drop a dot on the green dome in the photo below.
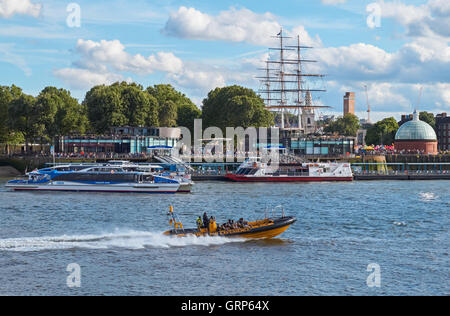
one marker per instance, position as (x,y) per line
(416,130)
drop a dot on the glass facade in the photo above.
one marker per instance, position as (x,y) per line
(112,144)
(322,147)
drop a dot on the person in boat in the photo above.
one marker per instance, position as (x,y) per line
(199,222)
(205,220)
(242,223)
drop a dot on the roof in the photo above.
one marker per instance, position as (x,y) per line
(416,130)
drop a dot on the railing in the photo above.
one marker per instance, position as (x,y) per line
(401,169)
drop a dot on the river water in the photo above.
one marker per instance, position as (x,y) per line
(342,228)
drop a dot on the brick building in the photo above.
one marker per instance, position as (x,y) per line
(416,136)
(443,131)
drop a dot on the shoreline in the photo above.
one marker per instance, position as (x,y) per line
(8,172)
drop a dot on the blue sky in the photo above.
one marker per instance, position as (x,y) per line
(198,45)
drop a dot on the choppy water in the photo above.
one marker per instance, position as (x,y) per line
(118,243)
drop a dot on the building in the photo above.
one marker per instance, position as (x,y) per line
(361,137)
(416,136)
(120,140)
(405,118)
(349,103)
(308,116)
(321,146)
(443,131)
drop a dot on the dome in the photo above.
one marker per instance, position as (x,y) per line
(416,130)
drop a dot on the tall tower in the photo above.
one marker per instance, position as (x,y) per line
(349,103)
(308,115)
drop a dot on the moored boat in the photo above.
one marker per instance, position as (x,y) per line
(254,170)
(93,178)
(261,229)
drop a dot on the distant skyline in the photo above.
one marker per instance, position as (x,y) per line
(396,48)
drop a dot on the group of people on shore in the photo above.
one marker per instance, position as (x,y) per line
(229,225)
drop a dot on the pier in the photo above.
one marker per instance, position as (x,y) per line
(216,171)
(361,171)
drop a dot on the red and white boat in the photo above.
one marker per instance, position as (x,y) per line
(254,170)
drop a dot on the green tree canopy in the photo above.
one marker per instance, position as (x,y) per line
(428,118)
(383,132)
(25,118)
(141,108)
(345,126)
(235,106)
(120,104)
(174,108)
(60,112)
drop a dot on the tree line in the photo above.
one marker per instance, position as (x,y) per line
(27,119)
(381,133)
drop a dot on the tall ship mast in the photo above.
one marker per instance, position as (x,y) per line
(285,87)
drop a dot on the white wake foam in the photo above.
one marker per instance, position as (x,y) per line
(428,196)
(125,240)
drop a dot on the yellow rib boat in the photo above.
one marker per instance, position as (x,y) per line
(262,229)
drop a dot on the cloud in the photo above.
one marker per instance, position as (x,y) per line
(8,55)
(85,78)
(98,55)
(333,2)
(105,62)
(9,8)
(426,20)
(232,25)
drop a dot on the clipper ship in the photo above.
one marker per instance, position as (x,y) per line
(285,89)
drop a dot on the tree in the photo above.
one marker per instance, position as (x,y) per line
(141,108)
(174,108)
(104,108)
(345,126)
(25,118)
(168,114)
(5,99)
(120,104)
(428,118)
(60,112)
(383,132)
(235,106)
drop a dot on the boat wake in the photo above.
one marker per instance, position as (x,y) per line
(427,196)
(123,240)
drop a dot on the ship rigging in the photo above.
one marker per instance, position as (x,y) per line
(284,86)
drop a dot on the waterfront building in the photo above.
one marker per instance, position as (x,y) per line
(416,136)
(361,137)
(321,146)
(120,140)
(443,131)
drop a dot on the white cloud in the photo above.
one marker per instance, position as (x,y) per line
(9,8)
(98,55)
(427,20)
(104,62)
(85,78)
(232,25)
(199,80)
(333,2)
(8,55)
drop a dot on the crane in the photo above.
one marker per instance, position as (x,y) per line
(368,104)
(420,97)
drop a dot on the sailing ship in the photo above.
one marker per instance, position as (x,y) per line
(285,89)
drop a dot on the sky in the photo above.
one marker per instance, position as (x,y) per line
(399,49)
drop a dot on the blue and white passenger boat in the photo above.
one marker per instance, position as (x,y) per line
(112,177)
